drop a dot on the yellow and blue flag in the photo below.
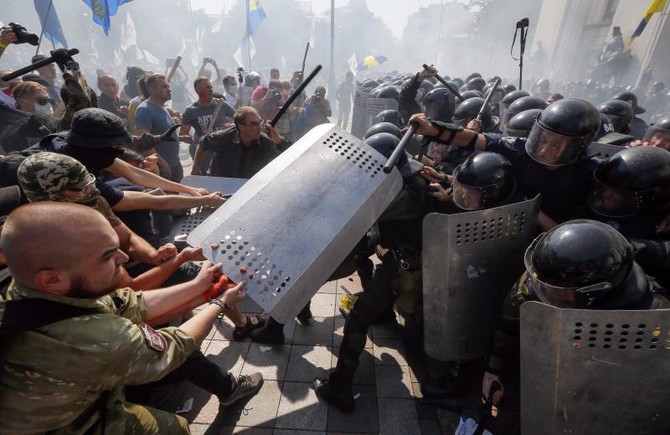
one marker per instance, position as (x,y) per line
(50,22)
(370,62)
(654,7)
(255,16)
(103,10)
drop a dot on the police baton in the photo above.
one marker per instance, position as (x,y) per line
(284,107)
(60,56)
(488,98)
(447,84)
(400,148)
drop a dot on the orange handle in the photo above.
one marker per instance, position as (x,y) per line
(215,290)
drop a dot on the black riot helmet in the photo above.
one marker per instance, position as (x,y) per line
(606,127)
(439,104)
(472,76)
(620,113)
(383,127)
(384,143)
(522,123)
(631,99)
(512,96)
(509,87)
(469,109)
(425,87)
(392,116)
(521,104)
(658,133)
(562,131)
(579,264)
(475,84)
(471,94)
(483,180)
(390,92)
(631,181)
(370,84)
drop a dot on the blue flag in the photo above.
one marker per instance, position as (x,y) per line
(103,10)
(255,16)
(50,22)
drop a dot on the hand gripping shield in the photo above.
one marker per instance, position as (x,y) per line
(594,371)
(291,225)
(469,261)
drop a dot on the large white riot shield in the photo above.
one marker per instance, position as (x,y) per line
(183,225)
(594,372)
(359,116)
(469,261)
(291,225)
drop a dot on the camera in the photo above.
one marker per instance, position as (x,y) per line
(522,23)
(23,36)
(276,94)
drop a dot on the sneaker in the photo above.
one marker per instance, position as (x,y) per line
(342,398)
(305,315)
(247,386)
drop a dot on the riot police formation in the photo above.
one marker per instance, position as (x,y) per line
(523,198)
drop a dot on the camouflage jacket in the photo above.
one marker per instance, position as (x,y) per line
(67,377)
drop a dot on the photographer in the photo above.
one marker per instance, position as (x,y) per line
(317,110)
(267,100)
(205,72)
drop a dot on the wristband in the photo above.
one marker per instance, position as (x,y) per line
(222,305)
(3,45)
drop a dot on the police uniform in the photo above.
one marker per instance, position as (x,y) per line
(67,377)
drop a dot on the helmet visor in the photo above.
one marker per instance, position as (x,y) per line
(562,296)
(610,202)
(467,197)
(553,149)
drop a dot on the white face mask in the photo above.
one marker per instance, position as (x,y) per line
(44,111)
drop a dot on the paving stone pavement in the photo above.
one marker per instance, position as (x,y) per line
(387,388)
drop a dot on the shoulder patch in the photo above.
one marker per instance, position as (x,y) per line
(153,339)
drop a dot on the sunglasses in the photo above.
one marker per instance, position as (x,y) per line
(90,181)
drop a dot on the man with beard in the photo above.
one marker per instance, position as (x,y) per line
(61,377)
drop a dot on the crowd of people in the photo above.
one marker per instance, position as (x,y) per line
(90,181)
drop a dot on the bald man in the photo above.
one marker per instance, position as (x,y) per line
(67,377)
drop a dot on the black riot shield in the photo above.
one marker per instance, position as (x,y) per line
(594,372)
(469,261)
(291,225)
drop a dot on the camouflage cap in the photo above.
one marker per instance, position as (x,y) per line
(44,176)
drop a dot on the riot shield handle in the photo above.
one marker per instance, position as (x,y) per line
(452,89)
(488,98)
(284,107)
(400,148)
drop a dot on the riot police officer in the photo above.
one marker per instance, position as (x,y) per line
(547,162)
(579,264)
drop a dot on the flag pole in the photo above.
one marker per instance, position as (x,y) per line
(46,18)
(247,3)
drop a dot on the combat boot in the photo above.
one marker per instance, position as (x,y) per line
(336,390)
